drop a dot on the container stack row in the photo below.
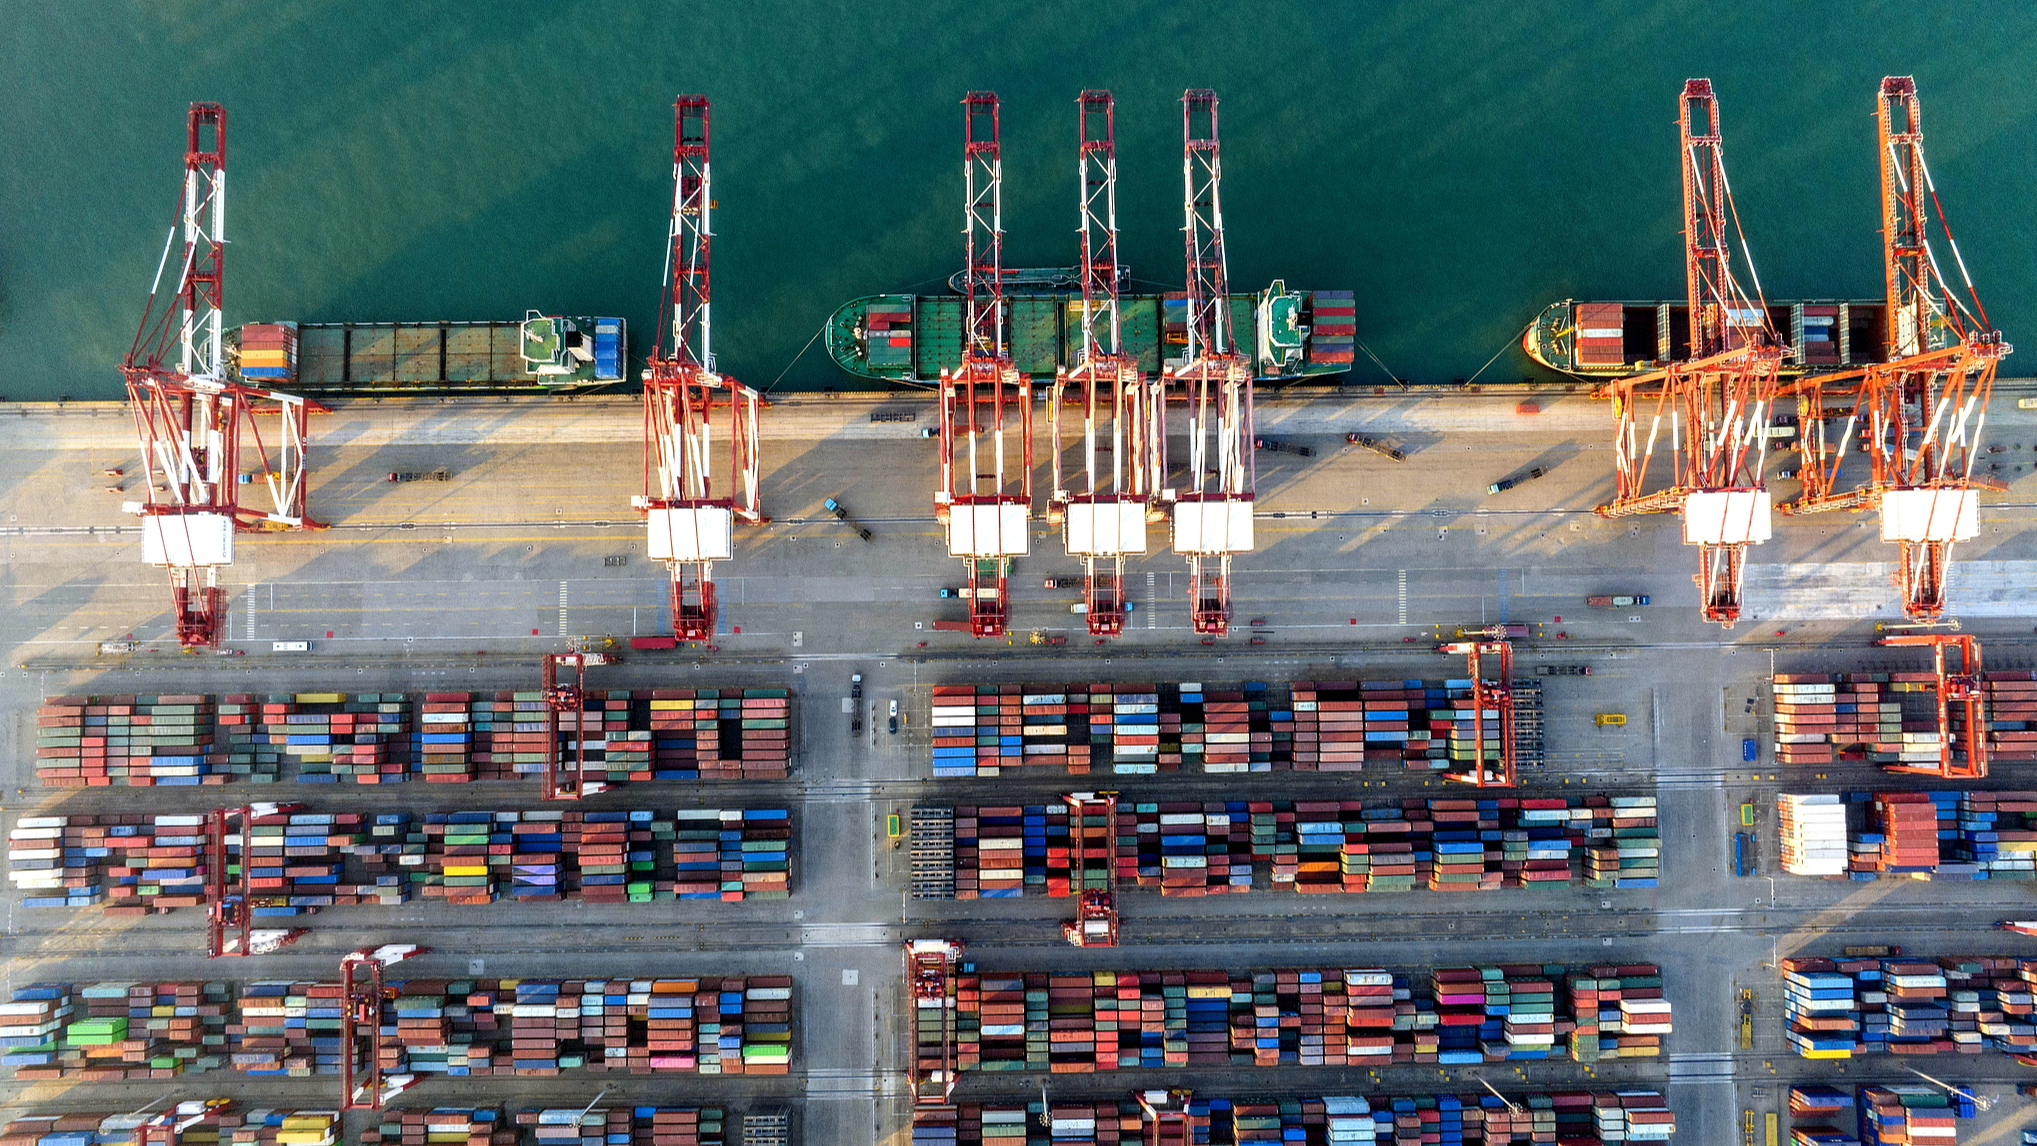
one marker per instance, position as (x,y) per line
(1341,726)
(622,1126)
(1115,1020)
(1333,327)
(276,1028)
(1888,1115)
(205,1123)
(1891,719)
(114,1031)
(1839,1008)
(1478,1119)
(133,863)
(1203,848)
(1935,835)
(1124,729)
(298,862)
(436,737)
(140,741)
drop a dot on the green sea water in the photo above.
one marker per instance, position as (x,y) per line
(1457,165)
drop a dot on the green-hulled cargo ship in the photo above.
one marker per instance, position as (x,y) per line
(540,353)
(1287,334)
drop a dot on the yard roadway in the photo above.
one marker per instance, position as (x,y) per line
(1363,562)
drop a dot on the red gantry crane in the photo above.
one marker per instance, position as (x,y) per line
(1494,696)
(229,885)
(930,966)
(691,522)
(1123,414)
(1918,416)
(1172,1118)
(986,512)
(563,779)
(1962,715)
(364,1085)
(1717,402)
(1093,826)
(189,418)
(1213,515)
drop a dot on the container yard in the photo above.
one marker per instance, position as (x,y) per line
(508,769)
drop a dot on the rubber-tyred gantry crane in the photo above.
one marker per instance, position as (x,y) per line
(1093,828)
(1495,696)
(1213,514)
(566,779)
(984,401)
(190,419)
(230,892)
(1717,402)
(691,521)
(364,1085)
(1962,715)
(1123,414)
(1918,416)
(1172,1118)
(930,966)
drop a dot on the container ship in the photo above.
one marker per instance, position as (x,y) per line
(541,352)
(912,338)
(1611,339)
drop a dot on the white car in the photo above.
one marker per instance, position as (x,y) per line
(894,708)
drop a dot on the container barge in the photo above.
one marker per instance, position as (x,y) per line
(1187,848)
(1949,835)
(1955,1004)
(1480,1118)
(1164,727)
(1286,335)
(453,1027)
(541,353)
(1098,1021)
(385,738)
(300,862)
(1612,339)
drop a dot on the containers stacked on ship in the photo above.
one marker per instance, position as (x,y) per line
(538,353)
(1813,831)
(268,354)
(1600,336)
(140,741)
(1333,329)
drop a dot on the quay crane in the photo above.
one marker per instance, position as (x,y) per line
(691,524)
(363,1084)
(1488,696)
(1123,414)
(1962,716)
(1093,824)
(930,966)
(1213,515)
(1917,416)
(1718,400)
(985,513)
(189,418)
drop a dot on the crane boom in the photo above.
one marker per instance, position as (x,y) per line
(1123,414)
(1918,417)
(691,523)
(1715,406)
(1213,516)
